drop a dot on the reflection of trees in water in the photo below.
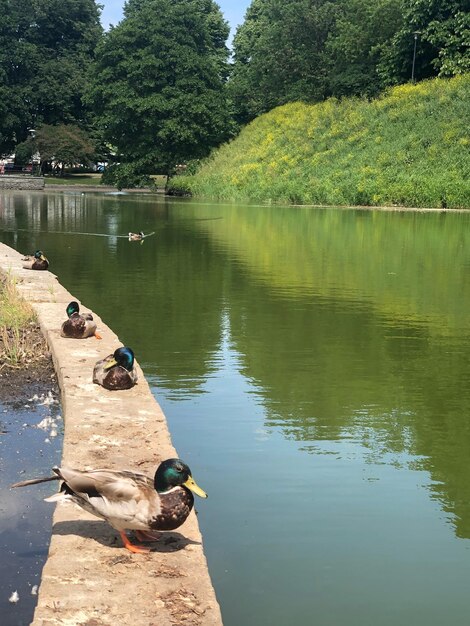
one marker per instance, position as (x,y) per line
(352,324)
(345,374)
(354,327)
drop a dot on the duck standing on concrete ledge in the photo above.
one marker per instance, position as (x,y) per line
(129,500)
(79,325)
(38,262)
(116,371)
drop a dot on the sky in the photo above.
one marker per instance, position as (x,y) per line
(233,10)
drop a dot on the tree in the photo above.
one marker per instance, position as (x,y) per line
(279,55)
(452,37)
(442,32)
(46,47)
(363,28)
(17,63)
(63,144)
(159,83)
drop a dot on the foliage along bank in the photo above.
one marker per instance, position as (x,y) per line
(409,147)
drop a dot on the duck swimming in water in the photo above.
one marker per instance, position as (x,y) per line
(130,500)
(38,262)
(79,325)
(136,236)
(116,371)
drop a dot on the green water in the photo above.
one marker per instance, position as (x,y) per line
(313,366)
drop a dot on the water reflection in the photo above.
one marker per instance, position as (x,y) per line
(332,341)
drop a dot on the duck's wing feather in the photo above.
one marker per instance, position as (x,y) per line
(115,378)
(125,499)
(110,484)
(99,373)
(120,378)
(78,327)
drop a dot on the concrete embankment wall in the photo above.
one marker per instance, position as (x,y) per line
(26,182)
(89,578)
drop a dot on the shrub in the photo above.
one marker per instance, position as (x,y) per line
(125,176)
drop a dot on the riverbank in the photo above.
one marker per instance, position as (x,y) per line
(408,148)
(25,363)
(101,189)
(89,578)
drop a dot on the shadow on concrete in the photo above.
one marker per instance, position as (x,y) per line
(107,536)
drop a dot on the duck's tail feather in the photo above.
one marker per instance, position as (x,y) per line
(60,496)
(35,481)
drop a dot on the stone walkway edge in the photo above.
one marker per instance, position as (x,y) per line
(89,579)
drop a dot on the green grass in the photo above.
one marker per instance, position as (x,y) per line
(408,148)
(74,179)
(92,179)
(18,344)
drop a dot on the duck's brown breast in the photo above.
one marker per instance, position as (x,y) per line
(176,506)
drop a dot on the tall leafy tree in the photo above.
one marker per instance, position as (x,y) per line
(279,55)
(441,29)
(46,47)
(17,68)
(159,83)
(66,33)
(363,28)
(65,144)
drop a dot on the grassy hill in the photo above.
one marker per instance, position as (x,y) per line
(411,147)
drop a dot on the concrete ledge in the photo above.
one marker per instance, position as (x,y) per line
(27,182)
(89,579)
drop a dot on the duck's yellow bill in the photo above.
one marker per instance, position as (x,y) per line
(110,364)
(43,258)
(191,484)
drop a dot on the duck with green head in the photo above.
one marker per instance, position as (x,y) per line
(117,371)
(38,262)
(78,325)
(130,500)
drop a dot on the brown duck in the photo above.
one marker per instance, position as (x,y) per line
(38,262)
(78,325)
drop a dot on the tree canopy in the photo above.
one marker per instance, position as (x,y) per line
(46,47)
(442,31)
(64,144)
(279,54)
(158,89)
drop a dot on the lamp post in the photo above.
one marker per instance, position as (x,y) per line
(416,33)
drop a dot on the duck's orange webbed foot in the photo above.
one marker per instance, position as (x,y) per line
(131,547)
(98,336)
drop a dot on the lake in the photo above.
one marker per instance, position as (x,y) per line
(313,365)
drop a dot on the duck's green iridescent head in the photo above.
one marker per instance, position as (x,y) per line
(175,473)
(39,255)
(72,308)
(123,357)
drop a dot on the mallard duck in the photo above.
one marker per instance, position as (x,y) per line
(130,500)
(116,371)
(79,325)
(38,262)
(136,236)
